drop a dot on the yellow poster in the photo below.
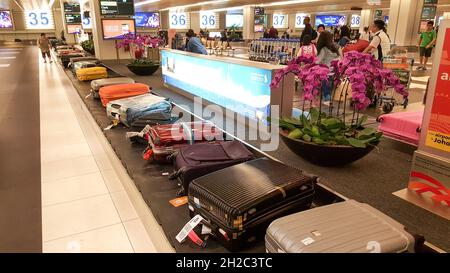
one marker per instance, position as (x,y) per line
(438,140)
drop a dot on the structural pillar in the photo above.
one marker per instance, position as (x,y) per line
(404,20)
(366,19)
(104,49)
(248,31)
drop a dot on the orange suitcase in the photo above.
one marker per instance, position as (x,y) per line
(121,91)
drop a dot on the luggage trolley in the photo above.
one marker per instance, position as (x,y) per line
(402,66)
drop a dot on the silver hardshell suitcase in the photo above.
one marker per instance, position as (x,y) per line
(345,227)
(97,84)
(83,64)
(79,59)
(130,109)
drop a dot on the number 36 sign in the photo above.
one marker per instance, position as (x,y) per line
(39,19)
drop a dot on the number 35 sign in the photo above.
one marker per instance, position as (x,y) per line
(39,19)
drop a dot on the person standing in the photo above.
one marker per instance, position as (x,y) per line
(266,33)
(308,30)
(194,44)
(273,33)
(320,29)
(426,44)
(44,46)
(345,36)
(365,35)
(308,49)
(381,44)
(327,52)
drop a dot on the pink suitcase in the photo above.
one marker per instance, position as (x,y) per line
(402,126)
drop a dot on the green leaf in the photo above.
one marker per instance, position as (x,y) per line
(361,121)
(314,115)
(307,138)
(332,123)
(335,131)
(292,121)
(367,132)
(305,122)
(315,131)
(318,141)
(356,142)
(296,134)
(285,125)
(365,141)
(307,131)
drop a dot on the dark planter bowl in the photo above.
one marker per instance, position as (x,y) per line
(325,155)
(143,70)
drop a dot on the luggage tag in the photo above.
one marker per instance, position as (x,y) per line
(188,228)
(179,201)
(115,122)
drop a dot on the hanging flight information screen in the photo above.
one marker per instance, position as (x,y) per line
(117,7)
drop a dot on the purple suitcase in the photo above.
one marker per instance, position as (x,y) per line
(196,160)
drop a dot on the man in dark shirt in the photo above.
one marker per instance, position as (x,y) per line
(308,30)
(273,33)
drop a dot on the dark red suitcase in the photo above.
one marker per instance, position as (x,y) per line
(164,140)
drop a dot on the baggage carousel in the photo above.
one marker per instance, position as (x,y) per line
(370,180)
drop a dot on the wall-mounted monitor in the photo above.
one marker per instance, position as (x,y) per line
(147,19)
(259,11)
(73,18)
(259,28)
(5,19)
(117,7)
(331,20)
(115,29)
(71,7)
(428,12)
(260,20)
(74,29)
(236,20)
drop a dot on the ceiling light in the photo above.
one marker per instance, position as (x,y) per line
(227,9)
(196,4)
(283,3)
(145,2)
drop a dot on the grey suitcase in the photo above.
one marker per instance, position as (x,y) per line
(345,227)
(79,59)
(83,64)
(97,84)
(131,109)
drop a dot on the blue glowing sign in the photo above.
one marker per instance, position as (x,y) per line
(242,89)
(331,20)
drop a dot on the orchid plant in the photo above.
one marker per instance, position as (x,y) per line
(361,73)
(138,43)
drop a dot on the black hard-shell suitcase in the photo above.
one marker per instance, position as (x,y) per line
(65,59)
(239,202)
(196,160)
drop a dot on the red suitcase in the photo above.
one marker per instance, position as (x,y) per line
(402,126)
(121,91)
(164,140)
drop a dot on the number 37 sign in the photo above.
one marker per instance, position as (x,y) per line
(39,19)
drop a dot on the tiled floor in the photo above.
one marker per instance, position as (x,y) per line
(85,207)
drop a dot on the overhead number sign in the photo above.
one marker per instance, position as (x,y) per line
(280,20)
(209,20)
(356,20)
(39,19)
(179,20)
(299,17)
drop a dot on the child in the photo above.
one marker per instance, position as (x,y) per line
(308,49)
